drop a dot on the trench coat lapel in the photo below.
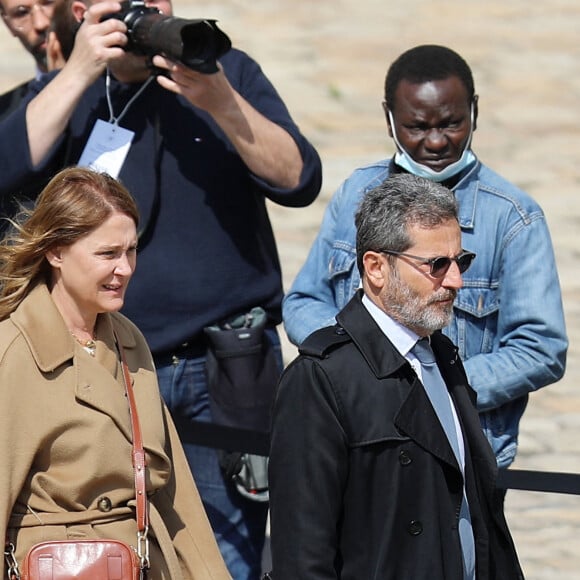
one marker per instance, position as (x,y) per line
(97,388)
(418,420)
(428,430)
(100,382)
(465,399)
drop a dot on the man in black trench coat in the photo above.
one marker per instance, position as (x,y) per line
(377,471)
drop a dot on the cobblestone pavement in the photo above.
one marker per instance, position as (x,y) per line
(328,60)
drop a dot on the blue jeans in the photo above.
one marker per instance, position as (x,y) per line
(239,524)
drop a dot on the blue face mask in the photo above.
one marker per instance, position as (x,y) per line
(404,160)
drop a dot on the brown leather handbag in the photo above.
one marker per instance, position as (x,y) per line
(95,559)
(82,560)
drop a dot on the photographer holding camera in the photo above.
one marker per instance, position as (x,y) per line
(201,153)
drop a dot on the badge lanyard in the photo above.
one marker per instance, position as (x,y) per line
(116,120)
(109,143)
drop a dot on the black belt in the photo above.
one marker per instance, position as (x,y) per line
(192,348)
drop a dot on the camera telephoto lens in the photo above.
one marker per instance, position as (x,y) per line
(195,43)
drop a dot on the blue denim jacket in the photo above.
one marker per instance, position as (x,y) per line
(508,319)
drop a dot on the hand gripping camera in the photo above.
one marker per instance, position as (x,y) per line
(195,43)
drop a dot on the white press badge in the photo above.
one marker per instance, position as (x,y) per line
(107,148)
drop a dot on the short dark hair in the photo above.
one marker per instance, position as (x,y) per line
(386,212)
(424,63)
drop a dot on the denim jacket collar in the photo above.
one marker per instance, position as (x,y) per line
(467,188)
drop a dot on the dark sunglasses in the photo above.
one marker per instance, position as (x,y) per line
(440,264)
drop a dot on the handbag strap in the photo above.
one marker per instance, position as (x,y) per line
(139,464)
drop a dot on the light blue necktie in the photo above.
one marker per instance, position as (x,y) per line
(437,393)
(439,397)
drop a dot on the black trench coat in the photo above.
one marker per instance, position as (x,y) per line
(364,484)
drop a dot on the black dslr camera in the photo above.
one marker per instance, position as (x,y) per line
(195,43)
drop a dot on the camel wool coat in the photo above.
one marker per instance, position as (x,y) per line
(65,439)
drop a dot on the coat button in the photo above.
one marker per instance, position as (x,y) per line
(339,330)
(415,527)
(105,504)
(404,458)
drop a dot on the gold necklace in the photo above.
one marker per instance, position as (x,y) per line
(89,346)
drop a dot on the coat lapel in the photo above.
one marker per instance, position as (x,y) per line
(100,381)
(418,420)
(465,399)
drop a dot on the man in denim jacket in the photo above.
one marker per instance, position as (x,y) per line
(508,320)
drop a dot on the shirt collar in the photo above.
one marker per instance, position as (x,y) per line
(402,338)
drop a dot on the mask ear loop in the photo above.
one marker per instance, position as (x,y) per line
(471,121)
(394,131)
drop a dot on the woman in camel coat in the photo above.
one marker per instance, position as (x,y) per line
(65,430)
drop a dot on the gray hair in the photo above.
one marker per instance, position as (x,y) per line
(386,212)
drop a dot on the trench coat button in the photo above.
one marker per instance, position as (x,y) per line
(105,504)
(339,330)
(404,458)
(415,527)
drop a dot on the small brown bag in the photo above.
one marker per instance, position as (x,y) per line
(95,559)
(81,560)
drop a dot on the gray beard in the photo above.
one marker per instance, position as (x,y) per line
(422,316)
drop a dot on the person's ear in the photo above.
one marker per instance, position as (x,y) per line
(375,268)
(54,57)
(78,10)
(54,257)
